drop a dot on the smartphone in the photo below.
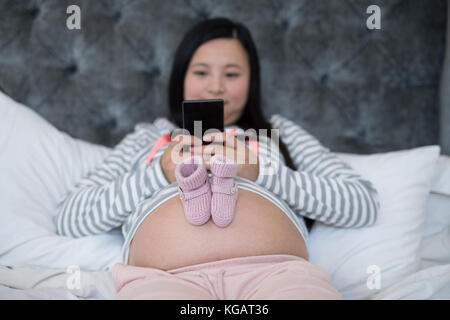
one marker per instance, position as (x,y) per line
(200,116)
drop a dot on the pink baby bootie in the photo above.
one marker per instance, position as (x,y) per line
(194,190)
(224,189)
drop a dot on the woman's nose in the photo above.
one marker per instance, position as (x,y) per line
(216,86)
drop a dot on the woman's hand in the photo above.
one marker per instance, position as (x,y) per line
(230,146)
(176,152)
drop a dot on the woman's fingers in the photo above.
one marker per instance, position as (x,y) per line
(239,155)
(221,143)
(182,147)
(228,140)
(188,139)
(211,151)
(183,143)
(176,153)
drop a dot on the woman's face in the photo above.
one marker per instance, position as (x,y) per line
(219,69)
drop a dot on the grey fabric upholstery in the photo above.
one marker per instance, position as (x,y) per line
(356,90)
(445,96)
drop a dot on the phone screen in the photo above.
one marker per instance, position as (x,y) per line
(209,112)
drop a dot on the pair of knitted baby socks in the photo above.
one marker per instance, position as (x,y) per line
(202,199)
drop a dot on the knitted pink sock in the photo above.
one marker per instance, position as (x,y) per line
(194,189)
(224,190)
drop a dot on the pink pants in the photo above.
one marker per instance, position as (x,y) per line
(258,277)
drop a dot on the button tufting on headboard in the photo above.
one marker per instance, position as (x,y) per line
(34,12)
(324,79)
(71,69)
(154,72)
(117,16)
(284,25)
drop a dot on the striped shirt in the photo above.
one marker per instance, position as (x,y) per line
(322,187)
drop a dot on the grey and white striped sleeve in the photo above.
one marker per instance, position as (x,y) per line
(323,187)
(103,199)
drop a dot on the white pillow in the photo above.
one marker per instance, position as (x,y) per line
(441,180)
(38,164)
(435,246)
(438,204)
(355,257)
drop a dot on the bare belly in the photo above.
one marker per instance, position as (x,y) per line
(166,240)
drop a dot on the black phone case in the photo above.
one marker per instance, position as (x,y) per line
(209,112)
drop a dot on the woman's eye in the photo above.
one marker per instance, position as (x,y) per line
(232,75)
(200,73)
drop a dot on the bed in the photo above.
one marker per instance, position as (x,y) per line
(405,255)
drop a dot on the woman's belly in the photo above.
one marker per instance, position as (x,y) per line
(166,240)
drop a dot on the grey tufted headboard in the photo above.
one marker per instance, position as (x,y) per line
(356,90)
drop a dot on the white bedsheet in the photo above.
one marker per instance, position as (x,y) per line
(7,293)
(26,283)
(432,283)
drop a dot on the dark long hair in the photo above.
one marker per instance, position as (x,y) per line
(207,30)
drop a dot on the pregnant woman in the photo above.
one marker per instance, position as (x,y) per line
(291,178)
